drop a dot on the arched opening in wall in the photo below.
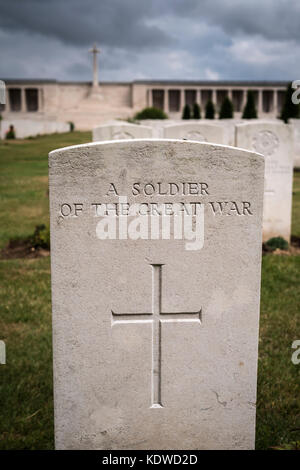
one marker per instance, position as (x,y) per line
(267,101)
(221,95)
(14,99)
(190,97)
(237,100)
(280,98)
(206,95)
(158,99)
(174,100)
(32,103)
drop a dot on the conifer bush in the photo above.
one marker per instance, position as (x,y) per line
(186,114)
(250,109)
(289,109)
(226,111)
(210,110)
(196,111)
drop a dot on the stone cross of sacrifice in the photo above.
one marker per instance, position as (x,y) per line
(95,51)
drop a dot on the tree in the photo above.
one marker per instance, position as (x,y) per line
(209,110)
(226,111)
(250,110)
(186,114)
(196,111)
(289,109)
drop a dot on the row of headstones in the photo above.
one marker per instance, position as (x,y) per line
(273,139)
(155,342)
(194,130)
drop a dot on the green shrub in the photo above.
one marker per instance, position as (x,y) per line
(196,111)
(289,109)
(210,110)
(226,111)
(10,134)
(277,242)
(41,237)
(250,109)
(72,126)
(186,113)
(151,113)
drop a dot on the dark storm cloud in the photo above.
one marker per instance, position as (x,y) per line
(126,22)
(273,19)
(110,22)
(190,39)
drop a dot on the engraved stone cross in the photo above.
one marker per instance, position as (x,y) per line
(156,317)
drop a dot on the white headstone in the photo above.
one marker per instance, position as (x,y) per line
(120,131)
(275,141)
(155,331)
(296,127)
(229,129)
(158,125)
(202,132)
(32,127)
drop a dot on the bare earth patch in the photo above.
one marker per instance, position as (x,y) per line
(294,248)
(22,249)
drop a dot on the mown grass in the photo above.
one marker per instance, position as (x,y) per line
(24,182)
(26,391)
(26,412)
(278,403)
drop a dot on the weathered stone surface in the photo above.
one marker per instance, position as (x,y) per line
(120,131)
(32,127)
(202,132)
(275,141)
(296,126)
(229,129)
(155,343)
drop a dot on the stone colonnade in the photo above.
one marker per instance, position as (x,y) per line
(24,99)
(173,99)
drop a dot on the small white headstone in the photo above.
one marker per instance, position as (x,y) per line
(32,127)
(275,141)
(121,131)
(229,129)
(155,314)
(296,126)
(2,352)
(201,132)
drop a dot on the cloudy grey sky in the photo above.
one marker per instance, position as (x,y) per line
(148,39)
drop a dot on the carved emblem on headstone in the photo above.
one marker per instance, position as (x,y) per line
(122,135)
(265,142)
(195,135)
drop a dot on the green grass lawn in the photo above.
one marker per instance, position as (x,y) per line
(24,181)
(26,395)
(26,413)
